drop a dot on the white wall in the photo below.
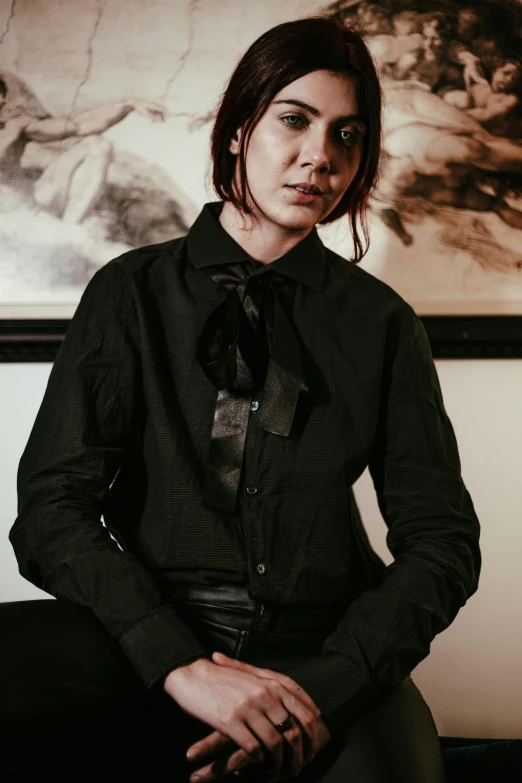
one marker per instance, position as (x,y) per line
(21,391)
(472,678)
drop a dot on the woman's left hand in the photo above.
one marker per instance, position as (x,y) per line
(314,736)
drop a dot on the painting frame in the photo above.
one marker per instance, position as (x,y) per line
(451,337)
(140,165)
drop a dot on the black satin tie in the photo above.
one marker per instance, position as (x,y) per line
(234,355)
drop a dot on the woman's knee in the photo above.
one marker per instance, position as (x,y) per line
(56,660)
(397,740)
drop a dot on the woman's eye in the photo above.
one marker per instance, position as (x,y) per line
(350,137)
(293,120)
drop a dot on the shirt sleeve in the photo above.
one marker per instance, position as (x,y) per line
(433,534)
(86,422)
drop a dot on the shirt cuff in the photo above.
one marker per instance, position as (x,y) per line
(158,643)
(336,686)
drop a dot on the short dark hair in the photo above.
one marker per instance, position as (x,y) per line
(280,56)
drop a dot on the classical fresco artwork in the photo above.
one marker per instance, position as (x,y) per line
(72,197)
(451,183)
(52,187)
(106,113)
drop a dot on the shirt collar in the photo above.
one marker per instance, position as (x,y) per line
(209,245)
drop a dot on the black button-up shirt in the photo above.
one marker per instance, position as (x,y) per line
(123,431)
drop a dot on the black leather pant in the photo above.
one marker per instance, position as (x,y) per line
(72,707)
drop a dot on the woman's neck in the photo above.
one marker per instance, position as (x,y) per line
(262,239)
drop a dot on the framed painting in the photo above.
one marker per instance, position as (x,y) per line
(104,148)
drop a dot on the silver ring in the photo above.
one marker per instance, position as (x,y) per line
(287,724)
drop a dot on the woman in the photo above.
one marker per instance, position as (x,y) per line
(216,397)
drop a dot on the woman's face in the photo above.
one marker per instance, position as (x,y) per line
(311,134)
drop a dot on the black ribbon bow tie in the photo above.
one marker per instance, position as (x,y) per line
(234,354)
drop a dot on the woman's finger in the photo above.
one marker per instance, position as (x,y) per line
(214,742)
(219,657)
(303,708)
(221,767)
(307,722)
(238,761)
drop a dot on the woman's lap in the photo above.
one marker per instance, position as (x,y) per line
(395,741)
(71,701)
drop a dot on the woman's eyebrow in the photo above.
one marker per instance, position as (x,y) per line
(348,118)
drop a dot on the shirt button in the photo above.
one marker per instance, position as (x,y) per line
(260,568)
(254,406)
(251,489)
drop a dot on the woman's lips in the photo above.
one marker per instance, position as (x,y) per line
(304,198)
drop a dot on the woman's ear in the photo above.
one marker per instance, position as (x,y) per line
(235,141)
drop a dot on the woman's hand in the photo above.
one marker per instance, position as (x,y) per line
(303,740)
(243,705)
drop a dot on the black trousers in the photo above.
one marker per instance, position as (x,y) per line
(71,706)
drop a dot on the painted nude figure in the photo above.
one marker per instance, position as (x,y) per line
(73,183)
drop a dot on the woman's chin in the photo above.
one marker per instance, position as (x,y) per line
(297,217)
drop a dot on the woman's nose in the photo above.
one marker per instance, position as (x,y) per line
(317,155)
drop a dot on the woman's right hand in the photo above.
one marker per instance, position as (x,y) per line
(242,706)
